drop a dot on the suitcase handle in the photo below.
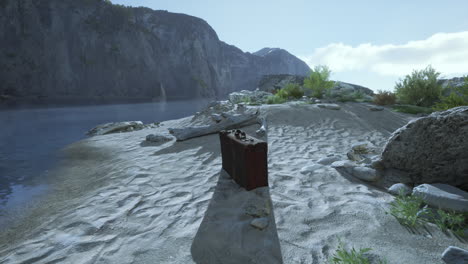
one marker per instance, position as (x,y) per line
(240,134)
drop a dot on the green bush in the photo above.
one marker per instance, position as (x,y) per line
(384,98)
(356,96)
(294,90)
(457,97)
(275,99)
(318,81)
(420,88)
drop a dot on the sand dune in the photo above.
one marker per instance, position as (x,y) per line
(118,199)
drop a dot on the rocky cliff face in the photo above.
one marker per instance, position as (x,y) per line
(93,49)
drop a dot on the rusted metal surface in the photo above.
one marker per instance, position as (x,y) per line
(244,158)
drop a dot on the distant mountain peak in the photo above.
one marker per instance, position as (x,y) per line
(265,51)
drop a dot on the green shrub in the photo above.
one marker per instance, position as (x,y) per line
(356,96)
(294,90)
(384,98)
(420,88)
(412,109)
(457,97)
(275,99)
(318,81)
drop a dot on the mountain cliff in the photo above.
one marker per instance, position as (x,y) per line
(94,49)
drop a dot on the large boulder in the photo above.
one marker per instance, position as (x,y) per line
(432,149)
(272,82)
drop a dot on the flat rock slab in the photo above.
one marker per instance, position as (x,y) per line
(328,160)
(455,255)
(329,106)
(376,108)
(157,138)
(117,127)
(443,196)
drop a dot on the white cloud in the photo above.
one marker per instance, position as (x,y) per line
(446,52)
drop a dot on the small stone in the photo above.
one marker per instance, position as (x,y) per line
(157,138)
(328,160)
(343,164)
(377,164)
(257,210)
(365,173)
(310,168)
(260,223)
(443,196)
(216,117)
(455,255)
(395,189)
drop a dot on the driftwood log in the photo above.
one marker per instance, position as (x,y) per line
(229,122)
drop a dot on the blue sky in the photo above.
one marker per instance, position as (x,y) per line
(371,43)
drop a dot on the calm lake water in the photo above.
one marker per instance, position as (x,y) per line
(30,139)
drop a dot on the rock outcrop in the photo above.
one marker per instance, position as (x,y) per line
(432,149)
(272,82)
(93,49)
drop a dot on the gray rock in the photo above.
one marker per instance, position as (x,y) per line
(432,149)
(376,108)
(263,129)
(343,88)
(117,127)
(329,106)
(131,52)
(443,196)
(249,96)
(377,164)
(216,117)
(395,189)
(271,82)
(364,173)
(157,138)
(346,164)
(455,255)
(362,152)
(328,160)
(260,223)
(428,214)
(310,168)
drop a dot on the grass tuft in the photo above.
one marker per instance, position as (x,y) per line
(342,256)
(405,209)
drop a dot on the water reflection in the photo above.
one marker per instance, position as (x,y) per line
(30,139)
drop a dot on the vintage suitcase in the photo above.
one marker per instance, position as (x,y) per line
(244,158)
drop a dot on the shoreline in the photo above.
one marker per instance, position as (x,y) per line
(34,103)
(145,203)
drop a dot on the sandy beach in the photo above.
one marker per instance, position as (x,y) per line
(120,199)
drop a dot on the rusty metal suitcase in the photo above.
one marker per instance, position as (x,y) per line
(244,158)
